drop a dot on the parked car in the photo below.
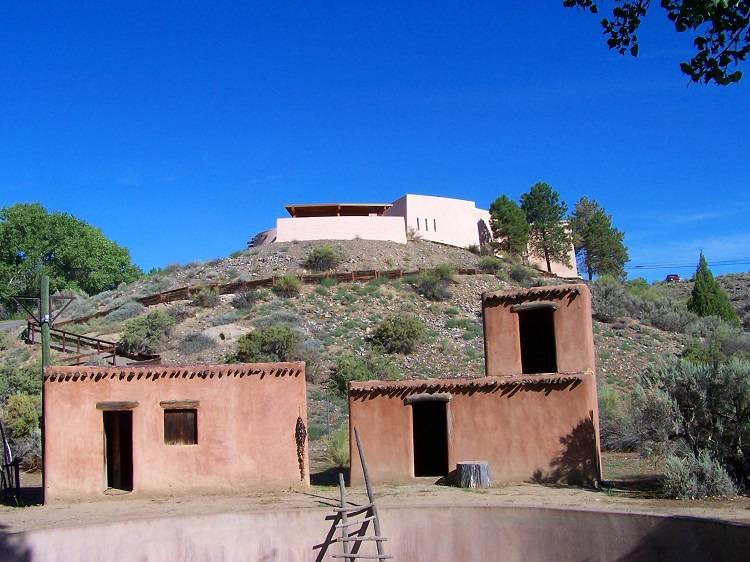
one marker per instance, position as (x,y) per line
(673,278)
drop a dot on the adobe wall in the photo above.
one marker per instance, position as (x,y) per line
(574,335)
(439,533)
(247,415)
(341,228)
(529,428)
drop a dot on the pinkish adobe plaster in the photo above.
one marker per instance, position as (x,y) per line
(438,533)
(533,427)
(247,416)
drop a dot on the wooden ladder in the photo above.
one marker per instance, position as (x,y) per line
(354,520)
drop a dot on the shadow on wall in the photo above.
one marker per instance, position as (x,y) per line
(578,464)
(485,236)
(708,540)
(12,547)
(508,389)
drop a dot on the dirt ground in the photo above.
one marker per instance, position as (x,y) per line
(630,488)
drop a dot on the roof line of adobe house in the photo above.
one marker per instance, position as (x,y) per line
(358,387)
(553,291)
(128,372)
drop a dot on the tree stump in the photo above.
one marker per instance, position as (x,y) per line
(473,474)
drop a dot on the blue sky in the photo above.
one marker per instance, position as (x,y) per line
(181,129)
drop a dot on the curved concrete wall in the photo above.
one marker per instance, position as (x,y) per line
(431,534)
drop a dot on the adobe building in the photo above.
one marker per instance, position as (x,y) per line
(533,417)
(446,220)
(161,430)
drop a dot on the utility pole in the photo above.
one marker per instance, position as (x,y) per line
(44,320)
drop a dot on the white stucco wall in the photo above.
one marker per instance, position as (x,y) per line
(341,228)
(440,219)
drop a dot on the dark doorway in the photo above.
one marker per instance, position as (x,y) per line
(118,446)
(430,424)
(537,330)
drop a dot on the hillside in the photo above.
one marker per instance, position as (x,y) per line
(336,319)
(737,286)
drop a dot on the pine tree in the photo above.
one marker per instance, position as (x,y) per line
(509,225)
(598,245)
(545,212)
(708,298)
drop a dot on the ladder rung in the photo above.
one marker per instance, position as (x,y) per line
(368,556)
(354,508)
(355,539)
(357,522)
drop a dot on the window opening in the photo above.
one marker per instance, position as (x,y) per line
(430,435)
(181,426)
(538,348)
(118,449)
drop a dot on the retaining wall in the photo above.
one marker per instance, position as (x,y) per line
(431,534)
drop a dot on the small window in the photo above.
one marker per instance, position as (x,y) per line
(434,225)
(181,427)
(417,224)
(427,228)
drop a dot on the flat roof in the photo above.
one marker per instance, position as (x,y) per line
(337,209)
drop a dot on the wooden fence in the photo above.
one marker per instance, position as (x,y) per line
(187,292)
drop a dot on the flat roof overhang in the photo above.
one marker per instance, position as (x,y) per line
(337,209)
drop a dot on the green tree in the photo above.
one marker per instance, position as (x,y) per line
(548,235)
(707,297)
(509,225)
(74,254)
(598,245)
(721,30)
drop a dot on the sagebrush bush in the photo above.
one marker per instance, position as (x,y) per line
(208,297)
(278,318)
(196,342)
(445,271)
(713,339)
(520,274)
(15,379)
(146,334)
(29,449)
(274,343)
(351,367)
(226,318)
(179,312)
(324,258)
(616,427)
(399,333)
(336,448)
(491,264)
(431,286)
(693,477)
(471,328)
(246,300)
(695,405)
(21,414)
(129,310)
(287,286)
(608,298)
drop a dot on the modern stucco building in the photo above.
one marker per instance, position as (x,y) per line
(455,222)
(161,430)
(534,417)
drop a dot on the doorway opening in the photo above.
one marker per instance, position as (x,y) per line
(430,434)
(118,449)
(538,348)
